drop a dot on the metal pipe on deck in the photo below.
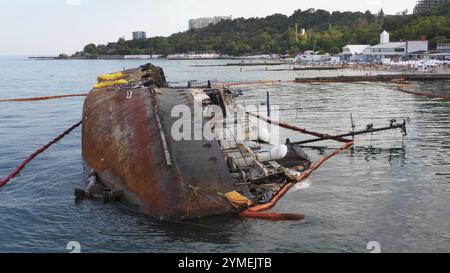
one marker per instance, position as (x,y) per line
(353,134)
(297,129)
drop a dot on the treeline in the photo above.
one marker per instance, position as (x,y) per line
(325,31)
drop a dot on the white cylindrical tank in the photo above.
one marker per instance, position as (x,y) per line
(276,152)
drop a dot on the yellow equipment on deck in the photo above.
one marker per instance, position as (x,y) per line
(110,83)
(110,77)
(237,200)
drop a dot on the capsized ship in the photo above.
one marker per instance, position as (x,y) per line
(129,142)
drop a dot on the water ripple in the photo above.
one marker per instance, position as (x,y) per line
(387,189)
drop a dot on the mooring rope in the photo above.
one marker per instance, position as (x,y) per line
(36,153)
(43,98)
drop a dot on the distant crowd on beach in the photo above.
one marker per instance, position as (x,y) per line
(423,66)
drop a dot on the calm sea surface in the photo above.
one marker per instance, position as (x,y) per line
(388,189)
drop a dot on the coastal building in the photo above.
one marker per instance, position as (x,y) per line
(204,22)
(425,5)
(395,50)
(139,35)
(442,51)
(443,45)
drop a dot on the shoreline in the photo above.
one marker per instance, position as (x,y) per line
(249,62)
(46,58)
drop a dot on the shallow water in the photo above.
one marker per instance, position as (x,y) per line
(388,189)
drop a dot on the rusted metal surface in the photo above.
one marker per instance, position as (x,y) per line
(128,140)
(123,143)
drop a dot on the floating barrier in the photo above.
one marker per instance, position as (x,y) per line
(43,98)
(266,82)
(36,153)
(273,216)
(403,87)
(256,211)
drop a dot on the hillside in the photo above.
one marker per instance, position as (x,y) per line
(325,31)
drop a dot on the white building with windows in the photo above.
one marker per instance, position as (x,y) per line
(395,50)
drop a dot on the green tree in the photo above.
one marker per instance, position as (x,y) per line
(91,49)
(277,33)
(266,43)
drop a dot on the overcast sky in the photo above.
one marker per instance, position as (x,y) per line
(49,27)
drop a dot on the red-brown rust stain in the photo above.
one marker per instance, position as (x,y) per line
(141,178)
(202,201)
(120,136)
(122,142)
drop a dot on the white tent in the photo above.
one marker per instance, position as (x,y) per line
(354,49)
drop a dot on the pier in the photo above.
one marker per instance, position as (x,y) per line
(240,64)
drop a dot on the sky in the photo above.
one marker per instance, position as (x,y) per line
(51,27)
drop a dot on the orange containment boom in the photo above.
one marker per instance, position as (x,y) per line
(36,153)
(273,216)
(43,98)
(257,211)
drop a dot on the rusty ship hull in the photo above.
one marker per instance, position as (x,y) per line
(126,139)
